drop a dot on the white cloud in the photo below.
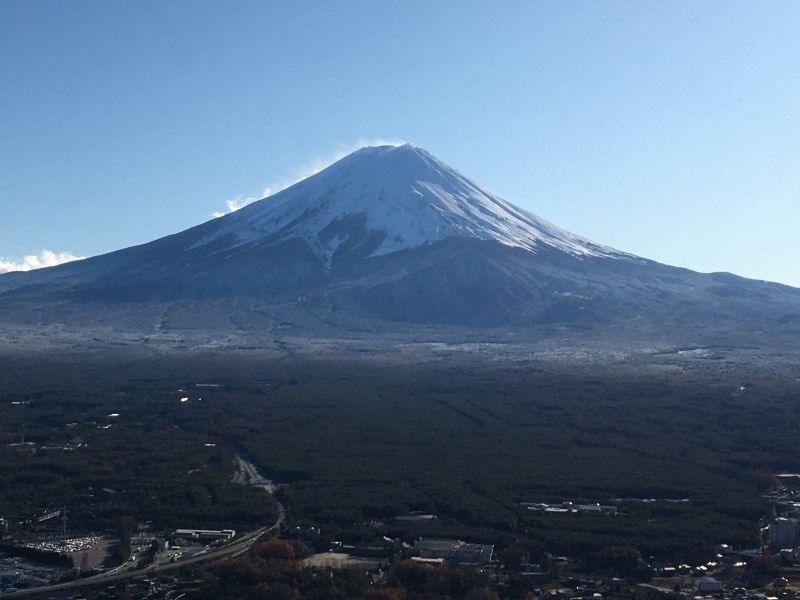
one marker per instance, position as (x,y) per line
(46,258)
(306,170)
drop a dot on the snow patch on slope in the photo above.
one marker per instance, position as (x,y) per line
(404,194)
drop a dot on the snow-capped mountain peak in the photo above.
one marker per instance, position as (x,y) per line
(397,197)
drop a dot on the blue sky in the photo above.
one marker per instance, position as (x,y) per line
(666,129)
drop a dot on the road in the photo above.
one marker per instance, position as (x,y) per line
(247,474)
(235,548)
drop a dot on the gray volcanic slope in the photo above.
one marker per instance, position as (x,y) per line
(394,236)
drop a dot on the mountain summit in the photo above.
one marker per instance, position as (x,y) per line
(392,198)
(386,237)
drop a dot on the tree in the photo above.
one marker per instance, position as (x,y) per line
(482,594)
(514,555)
(623,560)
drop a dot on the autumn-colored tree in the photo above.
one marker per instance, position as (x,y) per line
(274,591)
(762,565)
(623,560)
(482,594)
(385,594)
(281,549)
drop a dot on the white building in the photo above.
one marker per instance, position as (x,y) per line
(783,533)
(203,535)
(455,550)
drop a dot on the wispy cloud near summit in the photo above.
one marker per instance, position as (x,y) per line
(307,169)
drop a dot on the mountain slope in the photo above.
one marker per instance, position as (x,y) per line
(395,235)
(397,197)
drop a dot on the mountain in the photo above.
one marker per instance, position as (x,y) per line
(390,236)
(390,198)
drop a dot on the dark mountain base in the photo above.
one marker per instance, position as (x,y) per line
(456,288)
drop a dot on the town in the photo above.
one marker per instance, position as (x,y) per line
(38,557)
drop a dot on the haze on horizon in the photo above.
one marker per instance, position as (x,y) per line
(670,131)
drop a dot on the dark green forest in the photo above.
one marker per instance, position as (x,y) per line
(355,445)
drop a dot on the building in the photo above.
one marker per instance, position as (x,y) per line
(8,577)
(596,508)
(205,536)
(783,533)
(416,516)
(455,551)
(709,585)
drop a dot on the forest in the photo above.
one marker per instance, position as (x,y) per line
(685,456)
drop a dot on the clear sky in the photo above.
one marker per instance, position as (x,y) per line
(666,129)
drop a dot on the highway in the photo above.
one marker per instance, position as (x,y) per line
(233,549)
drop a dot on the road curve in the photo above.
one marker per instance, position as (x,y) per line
(234,548)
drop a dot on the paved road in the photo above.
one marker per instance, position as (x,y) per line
(247,474)
(232,549)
